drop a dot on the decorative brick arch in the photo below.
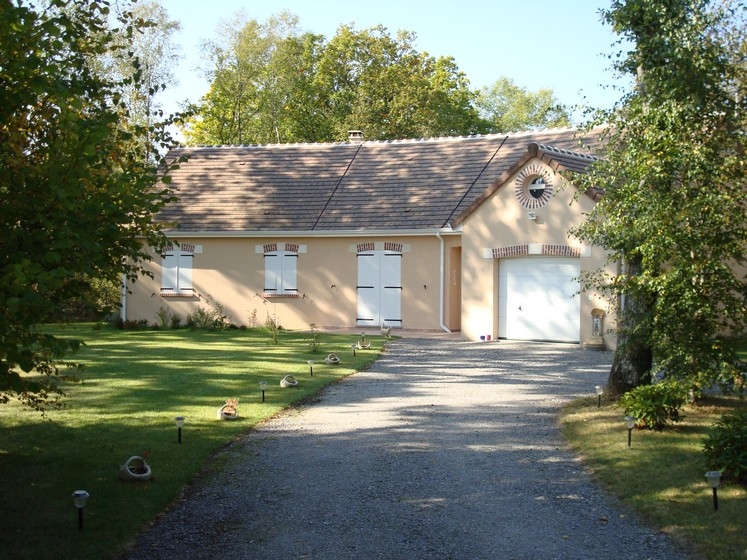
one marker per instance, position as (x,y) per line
(273,247)
(547,250)
(184,247)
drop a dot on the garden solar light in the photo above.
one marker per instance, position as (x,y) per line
(263,387)
(714,479)
(630,424)
(79,499)
(353,347)
(179,423)
(311,367)
(599,390)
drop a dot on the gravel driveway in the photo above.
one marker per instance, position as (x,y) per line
(442,450)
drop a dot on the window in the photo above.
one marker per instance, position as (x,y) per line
(281,266)
(537,187)
(280,273)
(176,275)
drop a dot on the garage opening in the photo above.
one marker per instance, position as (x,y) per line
(538,299)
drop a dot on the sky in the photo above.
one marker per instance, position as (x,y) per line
(556,44)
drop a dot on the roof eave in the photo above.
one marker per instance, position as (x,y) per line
(428,232)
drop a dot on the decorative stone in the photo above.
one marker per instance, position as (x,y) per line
(135,469)
(289,381)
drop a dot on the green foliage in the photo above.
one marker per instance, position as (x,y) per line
(508,108)
(314,338)
(155,58)
(673,178)
(272,83)
(176,320)
(96,298)
(80,180)
(725,448)
(164,316)
(253,318)
(273,326)
(654,406)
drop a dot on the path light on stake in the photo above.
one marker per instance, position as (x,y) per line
(353,347)
(714,479)
(630,424)
(599,391)
(311,367)
(263,387)
(179,423)
(79,499)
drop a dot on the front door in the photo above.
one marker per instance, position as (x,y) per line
(379,288)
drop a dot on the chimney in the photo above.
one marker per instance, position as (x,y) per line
(355,136)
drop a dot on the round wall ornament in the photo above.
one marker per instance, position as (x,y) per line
(533,186)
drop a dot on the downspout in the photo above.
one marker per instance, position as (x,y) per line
(442,283)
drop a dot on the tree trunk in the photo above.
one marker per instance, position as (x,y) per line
(631,365)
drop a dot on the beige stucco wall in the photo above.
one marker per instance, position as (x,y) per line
(501,221)
(231,272)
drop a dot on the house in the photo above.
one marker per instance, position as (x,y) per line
(464,234)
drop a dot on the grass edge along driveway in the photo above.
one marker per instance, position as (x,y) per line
(134,385)
(662,475)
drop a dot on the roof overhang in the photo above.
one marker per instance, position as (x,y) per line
(306,233)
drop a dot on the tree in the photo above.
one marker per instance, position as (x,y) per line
(507,107)
(77,195)
(271,83)
(673,175)
(255,68)
(382,85)
(154,57)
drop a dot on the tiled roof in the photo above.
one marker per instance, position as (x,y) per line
(372,185)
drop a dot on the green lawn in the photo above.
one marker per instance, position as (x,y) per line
(134,385)
(662,475)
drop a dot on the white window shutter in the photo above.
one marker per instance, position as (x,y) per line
(185,271)
(289,268)
(273,273)
(169,272)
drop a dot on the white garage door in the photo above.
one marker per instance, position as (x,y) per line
(538,299)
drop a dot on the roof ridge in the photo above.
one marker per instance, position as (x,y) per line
(463,137)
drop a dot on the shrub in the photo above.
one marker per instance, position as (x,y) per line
(314,339)
(164,316)
(272,325)
(201,318)
(176,321)
(654,406)
(725,448)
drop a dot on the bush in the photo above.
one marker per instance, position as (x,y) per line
(213,318)
(725,448)
(654,406)
(201,318)
(176,321)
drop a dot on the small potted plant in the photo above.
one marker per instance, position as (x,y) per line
(230,410)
